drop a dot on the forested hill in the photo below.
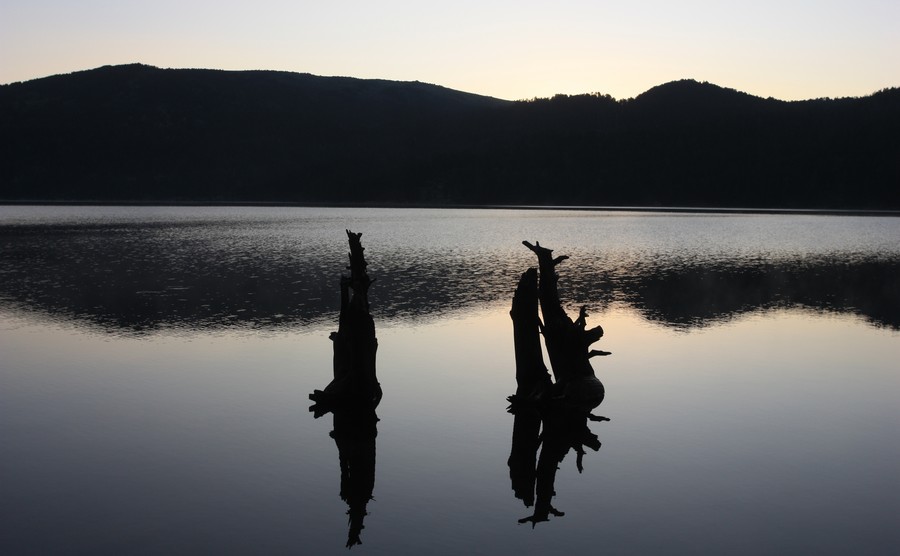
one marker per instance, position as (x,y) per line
(139,133)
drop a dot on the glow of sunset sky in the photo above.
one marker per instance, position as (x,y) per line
(503,48)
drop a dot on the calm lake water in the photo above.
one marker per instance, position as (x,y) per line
(156,362)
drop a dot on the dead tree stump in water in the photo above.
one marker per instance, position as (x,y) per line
(355,344)
(561,409)
(354,392)
(568,342)
(532,377)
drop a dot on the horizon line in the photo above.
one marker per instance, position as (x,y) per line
(295,72)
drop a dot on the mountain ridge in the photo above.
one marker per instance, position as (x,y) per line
(140,133)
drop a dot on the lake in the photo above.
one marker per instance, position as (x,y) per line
(156,364)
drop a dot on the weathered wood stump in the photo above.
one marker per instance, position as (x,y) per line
(532,378)
(355,344)
(568,342)
(354,392)
(561,407)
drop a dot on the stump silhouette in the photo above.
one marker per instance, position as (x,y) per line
(354,392)
(355,344)
(550,415)
(568,342)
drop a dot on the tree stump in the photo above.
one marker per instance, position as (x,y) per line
(355,344)
(354,392)
(568,342)
(550,416)
(532,378)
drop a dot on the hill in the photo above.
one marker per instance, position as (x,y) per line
(139,133)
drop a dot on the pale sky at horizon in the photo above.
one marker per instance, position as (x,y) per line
(513,50)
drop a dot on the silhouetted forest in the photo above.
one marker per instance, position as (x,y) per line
(139,133)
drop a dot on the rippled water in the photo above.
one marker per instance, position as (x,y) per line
(138,269)
(156,362)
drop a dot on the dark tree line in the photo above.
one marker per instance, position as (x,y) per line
(138,133)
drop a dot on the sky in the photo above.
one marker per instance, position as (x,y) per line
(507,49)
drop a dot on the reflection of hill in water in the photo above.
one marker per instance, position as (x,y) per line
(699,295)
(131,278)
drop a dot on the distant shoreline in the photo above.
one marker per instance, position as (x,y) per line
(684,210)
(136,134)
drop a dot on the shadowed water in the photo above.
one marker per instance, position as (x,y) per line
(156,362)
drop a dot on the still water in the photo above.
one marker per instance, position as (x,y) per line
(156,362)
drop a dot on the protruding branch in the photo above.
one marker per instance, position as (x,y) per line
(537,247)
(592,335)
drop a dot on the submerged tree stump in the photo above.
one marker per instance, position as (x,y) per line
(354,392)
(549,416)
(355,344)
(532,377)
(568,342)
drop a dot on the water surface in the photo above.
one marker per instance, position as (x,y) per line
(156,363)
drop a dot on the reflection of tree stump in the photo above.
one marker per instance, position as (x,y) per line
(354,433)
(523,456)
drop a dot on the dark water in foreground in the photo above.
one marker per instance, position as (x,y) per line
(155,366)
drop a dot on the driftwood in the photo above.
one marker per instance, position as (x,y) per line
(561,407)
(354,392)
